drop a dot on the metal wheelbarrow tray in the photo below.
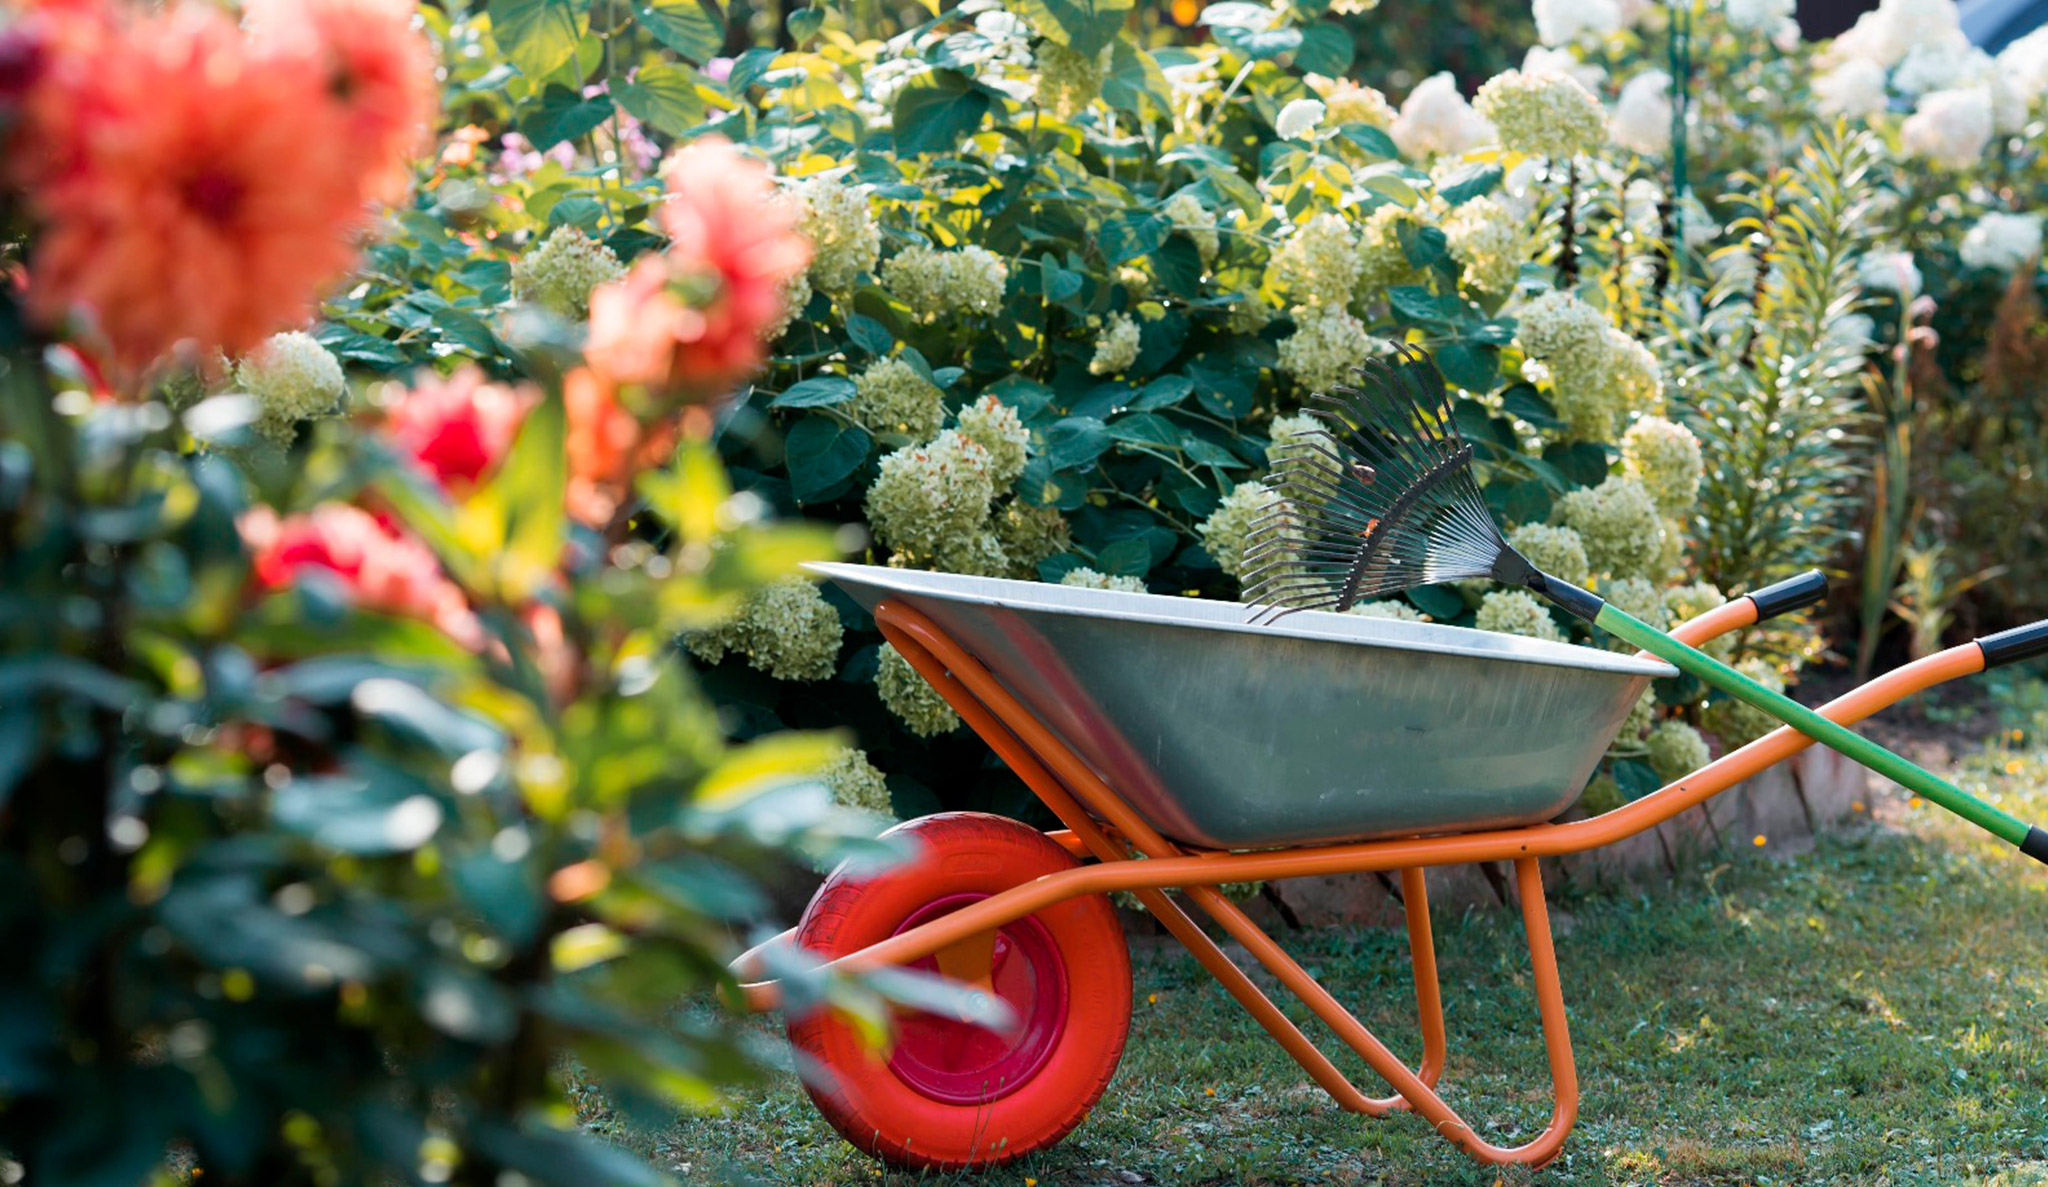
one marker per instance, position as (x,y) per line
(1321,727)
(1183,749)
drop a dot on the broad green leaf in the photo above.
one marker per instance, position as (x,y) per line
(1125,558)
(1326,49)
(777,760)
(1440,602)
(685,26)
(1469,365)
(1526,402)
(538,35)
(1084,26)
(357,815)
(1125,237)
(816,392)
(1636,777)
(528,492)
(1179,265)
(869,334)
(1583,462)
(1132,77)
(663,95)
(1470,182)
(563,114)
(821,453)
(1146,429)
(1075,442)
(690,494)
(1260,44)
(1163,392)
(938,111)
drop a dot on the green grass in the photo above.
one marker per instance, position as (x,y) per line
(1873,1012)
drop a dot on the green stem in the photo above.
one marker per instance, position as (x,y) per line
(1836,737)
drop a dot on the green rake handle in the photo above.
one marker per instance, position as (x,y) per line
(2032,841)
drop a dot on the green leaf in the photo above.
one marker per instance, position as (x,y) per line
(1471,182)
(1468,365)
(1636,777)
(1518,502)
(1163,392)
(562,1156)
(1424,246)
(1257,43)
(355,815)
(868,334)
(1084,26)
(664,96)
(1417,303)
(937,111)
(18,746)
(817,392)
(1127,236)
(1526,402)
(822,453)
(528,491)
(1125,558)
(1133,77)
(1075,442)
(1373,140)
(577,210)
(1146,429)
(1221,389)
(538,35)
(1325,49)
(1583,462)
(688,27)
(1179,265)
(1057,283)
(1438,601)
(563,114)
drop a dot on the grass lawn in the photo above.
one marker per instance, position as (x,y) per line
(1873,1012)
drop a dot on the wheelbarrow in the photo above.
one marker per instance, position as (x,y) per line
(1183,748)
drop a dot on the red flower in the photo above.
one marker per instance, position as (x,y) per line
(457,428)
(383,568)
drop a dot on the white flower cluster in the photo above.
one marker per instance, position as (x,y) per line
(1068,80)
(1683,603)
(1435,119)
(1617,523)
(1328,343)
(785,628)
(1735,723)
(1347,103)
(1117,347)
(1085,578)
(1676,750)
(1485,237)
(2003,242)
(1382,261)
(1544,114)
(1633,596)
(855,783)
(1291,435)
(560,273)
(1556,550)
(1890,272)
(890,396)
(1227,529)
(1561,22)
(1516,612)
(1597,372)
(1602,794)
(1665,457)
(1398,611)
(1759,16)
(1642,114)
(1317,264)
(293,378)
(1950,128)
(1298,118)
(914,702)
(1917,50)
(836,217)
(934,283)
(1028,535)
(995,426)
(931,500)
(1196,221)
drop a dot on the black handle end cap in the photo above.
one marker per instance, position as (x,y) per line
(2036,845)
(1794,593)
(2010,647)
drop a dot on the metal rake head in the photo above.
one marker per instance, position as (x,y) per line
(1380,500)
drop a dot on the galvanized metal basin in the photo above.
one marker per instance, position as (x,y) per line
(1318,728)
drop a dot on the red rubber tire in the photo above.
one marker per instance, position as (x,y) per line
(1087,978)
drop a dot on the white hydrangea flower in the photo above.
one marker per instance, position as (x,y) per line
(1545,115)
(1436,119)
(1854,88)
(1602,795)
(1485,237)
(1516,612)
(1542,59)
(1117,346)
(1642,115)
(1890,272)
(1640,715)
(1759,16)
(1617,522)
(1317,264)
(1940,64)
(1289,435)
(2023,65)
(1196,221)
(1382,261)
(1069,80)
(1225,531)
(1328,343)
(560,273)
(1676,750)
(838,219)
(293,378)
(1887,34)
(1950,128)
(2003,242)
(890,396)
(1346,103)
(996,427)
(855,783)
(911,698)
(1561,22)
(1556,550)
(1298,118)
(935,283)
(785,628)
(1665,457)
(929,499)
(1683,603)
(1634,596)
(1028,535)
(1398,611)
(1085,578)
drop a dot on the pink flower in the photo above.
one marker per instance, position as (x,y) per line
(457,428)
(607,445)
(383,569)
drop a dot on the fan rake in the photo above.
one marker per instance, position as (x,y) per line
(1383,499)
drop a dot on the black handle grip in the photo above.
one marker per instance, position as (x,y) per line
(2036,845)
(2010,647)
(1793,593)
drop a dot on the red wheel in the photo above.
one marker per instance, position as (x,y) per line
(951,1094)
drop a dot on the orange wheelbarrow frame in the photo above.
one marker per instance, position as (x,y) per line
(1101,826)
